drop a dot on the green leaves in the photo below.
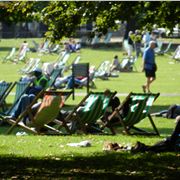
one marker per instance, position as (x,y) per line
(63,18)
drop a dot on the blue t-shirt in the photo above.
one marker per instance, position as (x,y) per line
(149,58)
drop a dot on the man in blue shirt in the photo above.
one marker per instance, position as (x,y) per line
(149,66)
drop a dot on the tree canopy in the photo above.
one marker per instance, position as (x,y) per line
(64,17)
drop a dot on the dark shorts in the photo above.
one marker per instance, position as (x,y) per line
(150,73)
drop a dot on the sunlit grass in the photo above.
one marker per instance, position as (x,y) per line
(55,147)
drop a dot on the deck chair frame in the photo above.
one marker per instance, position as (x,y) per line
(127,128)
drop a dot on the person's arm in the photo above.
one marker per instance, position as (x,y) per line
(143,64)
(144,59)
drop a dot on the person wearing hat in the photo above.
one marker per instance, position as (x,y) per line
(40,82)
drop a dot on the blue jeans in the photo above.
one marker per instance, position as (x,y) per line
(23,103)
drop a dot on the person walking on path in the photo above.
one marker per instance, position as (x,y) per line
(149,66)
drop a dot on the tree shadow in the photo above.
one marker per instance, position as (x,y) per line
(113,165)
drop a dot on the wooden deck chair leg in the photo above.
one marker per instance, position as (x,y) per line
(82,126)
(52,129)
(64,124)
(116,113)
(153,125)
(20,125)
(122,123)
(66,127)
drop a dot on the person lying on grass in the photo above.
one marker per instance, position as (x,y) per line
(170,144)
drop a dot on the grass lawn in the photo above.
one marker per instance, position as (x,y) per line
(49,157)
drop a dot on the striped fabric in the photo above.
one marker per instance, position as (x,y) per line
(4,86)
(21,88)
(139,108)
(95,106)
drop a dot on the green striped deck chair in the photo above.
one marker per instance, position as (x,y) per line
(89,110)
(5,88)
(47,112)
(139,108)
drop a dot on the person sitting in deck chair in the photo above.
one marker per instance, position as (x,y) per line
(40,81)
(113,104)
(116,64)
(170,144)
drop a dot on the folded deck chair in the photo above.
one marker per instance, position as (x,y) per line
(5,89)
(47,112)
(88,111)
(135,108)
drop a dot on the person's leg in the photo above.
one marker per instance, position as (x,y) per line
(163,146)
(21,105)
(169,143)
(149,81)
(150,77)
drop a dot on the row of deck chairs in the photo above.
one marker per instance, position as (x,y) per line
(159,50)
(14,57)
(46,47)
(106,40)
(84,117)
(104,70)
(20,89)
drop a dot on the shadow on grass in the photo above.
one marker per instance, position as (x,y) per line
(158,108)
(117,48)
(101,166)
(6,49)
